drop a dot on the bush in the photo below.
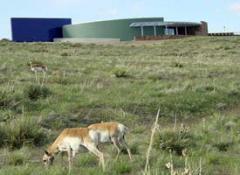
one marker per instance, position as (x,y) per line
(121,167)
(4,136)
(120,73)
(34,92)
(206,88)
(178,65)
(58,121)
(223,146)
(22,131)
(189,103)
(5,40)
(87,160)
(134,148)
(64,54)
(175,141)
(33,170)
(8,100)
(18,157)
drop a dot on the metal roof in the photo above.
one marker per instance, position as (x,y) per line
(160,23)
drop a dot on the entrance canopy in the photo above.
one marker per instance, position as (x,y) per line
(171,28)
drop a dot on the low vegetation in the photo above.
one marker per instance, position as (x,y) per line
(194,81)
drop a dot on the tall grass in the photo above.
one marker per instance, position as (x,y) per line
(22,131)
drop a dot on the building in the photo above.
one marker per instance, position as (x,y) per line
(130,29)
(49,29)
(37,29)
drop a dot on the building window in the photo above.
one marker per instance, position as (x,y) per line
(168,31)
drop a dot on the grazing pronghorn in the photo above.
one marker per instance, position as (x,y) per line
(71,140)
(111,132)
(38,67)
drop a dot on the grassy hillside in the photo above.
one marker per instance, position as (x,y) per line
(194,81)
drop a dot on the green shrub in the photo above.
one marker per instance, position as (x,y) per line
(223,146)
(16,170)
(59,121)
(178,65)
(121,167)
(33,170)
(4,100)
(9,100)
(87,160)
(190,103)
(34,92)
(22,131)
(6,115)
(214,159)
(77,45)
(5,40)
(62,80)
(64,54)
(207,88)
(154,77)
(120,73)
(234,93)
(134,148)
(17,157)
(175,141)
(4,135)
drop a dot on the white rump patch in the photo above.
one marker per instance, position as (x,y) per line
(100,136)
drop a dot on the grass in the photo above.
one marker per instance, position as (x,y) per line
(194,81)
(21,131)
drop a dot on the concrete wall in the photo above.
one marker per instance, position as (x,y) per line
(203,29)
(87,40)
(118,29)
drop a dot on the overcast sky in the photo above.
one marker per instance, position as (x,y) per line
(218,13)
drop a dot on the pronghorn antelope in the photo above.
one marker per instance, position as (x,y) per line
(38,67)
(111,132)
(71,140)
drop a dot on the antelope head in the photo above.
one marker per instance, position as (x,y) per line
(48,158)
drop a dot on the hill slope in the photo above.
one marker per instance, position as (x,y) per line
(191,80)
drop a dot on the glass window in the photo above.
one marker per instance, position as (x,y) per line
(169,31)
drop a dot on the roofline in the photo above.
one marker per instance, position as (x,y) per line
(37,18)
(187,22)
(111,20)
(164,23)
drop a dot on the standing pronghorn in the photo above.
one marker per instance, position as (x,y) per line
(71,140)
(38,67)
(111,132)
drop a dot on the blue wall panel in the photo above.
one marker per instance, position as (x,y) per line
(37,29)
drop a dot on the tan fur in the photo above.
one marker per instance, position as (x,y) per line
(112,127)
(37,66)
(82,133)
(116,132)
(69,141)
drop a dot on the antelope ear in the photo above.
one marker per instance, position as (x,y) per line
(46,152)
